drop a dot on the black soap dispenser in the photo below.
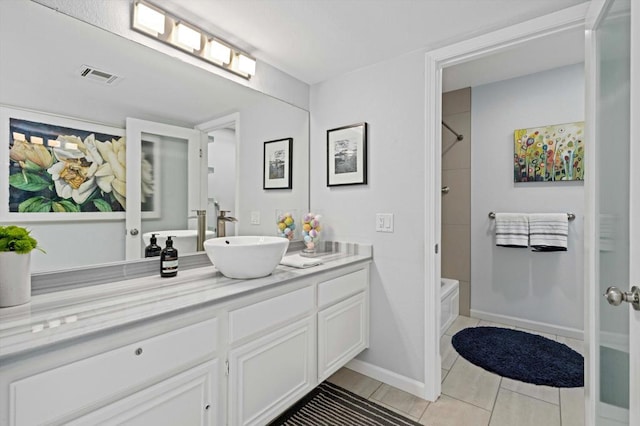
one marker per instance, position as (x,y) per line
(153,249)
(169,260)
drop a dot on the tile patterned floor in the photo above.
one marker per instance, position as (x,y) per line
(472,396)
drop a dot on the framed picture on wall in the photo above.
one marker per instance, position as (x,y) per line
(551,153)
(347,155)
(277,164)
(59,167)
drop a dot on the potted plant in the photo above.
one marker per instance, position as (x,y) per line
(16,244)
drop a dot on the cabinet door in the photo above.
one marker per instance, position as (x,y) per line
(271,373)
(343,332)
(187,399)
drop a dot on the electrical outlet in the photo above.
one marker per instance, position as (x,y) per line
(255,218)
(384,222)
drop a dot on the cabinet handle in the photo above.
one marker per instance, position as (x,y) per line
(206,407)
(138,351)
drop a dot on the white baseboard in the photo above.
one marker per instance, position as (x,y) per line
(573,333)
(618,341)
(396,380)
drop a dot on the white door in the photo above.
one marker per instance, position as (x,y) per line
(165,178)
(613,387)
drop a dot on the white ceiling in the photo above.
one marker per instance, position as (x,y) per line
(560,49)
(314,40)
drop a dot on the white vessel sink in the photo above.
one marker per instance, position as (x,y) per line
(184,240)
(246,257)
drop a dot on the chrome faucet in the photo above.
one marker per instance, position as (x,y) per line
(202,229)
(222,222)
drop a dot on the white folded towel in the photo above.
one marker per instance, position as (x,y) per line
(512,230)
(548,231)
(297,261)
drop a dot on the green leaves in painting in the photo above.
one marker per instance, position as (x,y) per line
(35,204)
(26,181)
(62,206)
(102,205)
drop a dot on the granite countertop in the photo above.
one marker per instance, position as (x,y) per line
(57,316)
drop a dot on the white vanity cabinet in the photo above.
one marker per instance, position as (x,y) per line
(122,378)
(237,361)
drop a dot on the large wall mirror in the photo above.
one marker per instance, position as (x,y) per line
(44,56)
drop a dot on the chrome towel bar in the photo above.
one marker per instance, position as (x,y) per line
(570,216)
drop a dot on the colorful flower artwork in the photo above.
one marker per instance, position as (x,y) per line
(549,153)
(60,169)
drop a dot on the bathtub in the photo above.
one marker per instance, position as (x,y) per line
(449,297)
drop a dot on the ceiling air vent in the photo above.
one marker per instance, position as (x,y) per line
(100,76)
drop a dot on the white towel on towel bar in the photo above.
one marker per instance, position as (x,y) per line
(512,229)
(548,231)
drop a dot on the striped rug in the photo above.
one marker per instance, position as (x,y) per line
(331,405)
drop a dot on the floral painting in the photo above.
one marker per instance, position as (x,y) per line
(549,153)
(61,169)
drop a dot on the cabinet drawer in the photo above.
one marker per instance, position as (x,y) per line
(338,288)
(251,319)
(84,384)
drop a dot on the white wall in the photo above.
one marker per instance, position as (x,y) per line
(393,106)
(540,287)
(114,16)
(265,121)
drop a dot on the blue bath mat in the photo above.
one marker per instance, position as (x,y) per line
(521,356)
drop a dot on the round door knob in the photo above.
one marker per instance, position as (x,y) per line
(134,232)
(614,296)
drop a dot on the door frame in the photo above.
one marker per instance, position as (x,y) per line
(435,62)
(221,123)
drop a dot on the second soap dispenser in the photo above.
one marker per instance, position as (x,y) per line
(153,249)
(169,260)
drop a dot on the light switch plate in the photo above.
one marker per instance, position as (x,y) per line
(384,222)
(255,217)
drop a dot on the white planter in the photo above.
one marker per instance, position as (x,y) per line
(15,278)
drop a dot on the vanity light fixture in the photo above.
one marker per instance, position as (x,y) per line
(148,18)
(246,64)
(188,37)
(154,22)
(219,52)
